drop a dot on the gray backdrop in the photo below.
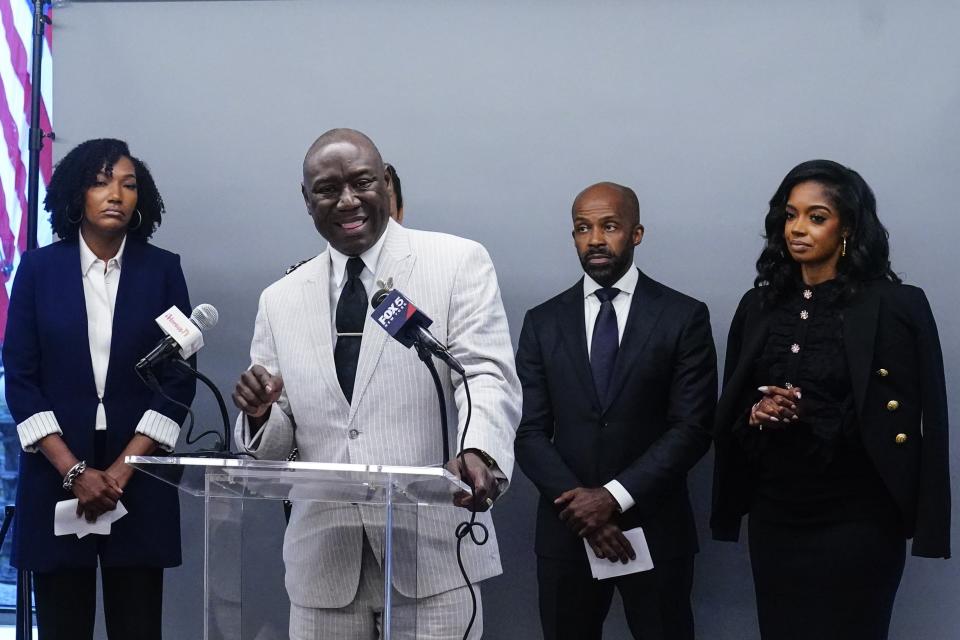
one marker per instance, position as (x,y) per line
(496,115)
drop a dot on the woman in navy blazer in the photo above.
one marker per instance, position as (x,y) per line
(831,430)
(79,406)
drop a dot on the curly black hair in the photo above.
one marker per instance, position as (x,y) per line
(77,172)
(868,249)
(395,181)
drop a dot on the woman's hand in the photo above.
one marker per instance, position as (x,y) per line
(96,494)
(120,471)
(776,408)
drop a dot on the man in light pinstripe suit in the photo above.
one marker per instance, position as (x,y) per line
(291,396)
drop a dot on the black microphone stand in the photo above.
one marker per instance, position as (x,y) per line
(24,629)
(424,353)
(36,135)
(223,451)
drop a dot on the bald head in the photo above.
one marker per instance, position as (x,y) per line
(610,194)
(341,136)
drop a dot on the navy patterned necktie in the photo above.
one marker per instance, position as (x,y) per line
(605,342)
(351,314)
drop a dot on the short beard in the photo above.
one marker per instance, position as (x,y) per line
(607,275)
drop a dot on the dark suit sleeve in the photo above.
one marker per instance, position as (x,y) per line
(21,348)
(932,535)
(692,400)
(535,452)
(728,462)
(175,383)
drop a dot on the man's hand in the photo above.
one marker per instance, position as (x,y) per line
(96,494)
(474,471)
(256,391)
(586,510)
(609,542)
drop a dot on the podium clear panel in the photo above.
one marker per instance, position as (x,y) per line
(228,487)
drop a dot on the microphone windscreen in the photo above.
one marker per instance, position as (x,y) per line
(378,297)
(205,316)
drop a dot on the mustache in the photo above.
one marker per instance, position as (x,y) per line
(597,253)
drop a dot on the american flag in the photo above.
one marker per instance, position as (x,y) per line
(16,63)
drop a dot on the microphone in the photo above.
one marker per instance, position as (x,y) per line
(408,325)
(184,335)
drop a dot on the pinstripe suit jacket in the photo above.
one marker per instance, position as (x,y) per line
(394,408)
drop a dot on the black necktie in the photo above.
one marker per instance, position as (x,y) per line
(351,314)
(605,342)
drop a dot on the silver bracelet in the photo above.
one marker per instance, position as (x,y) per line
(75,471)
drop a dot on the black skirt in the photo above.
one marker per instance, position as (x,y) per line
(830,581)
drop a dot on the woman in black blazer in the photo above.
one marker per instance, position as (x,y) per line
(832,366)
(81,316)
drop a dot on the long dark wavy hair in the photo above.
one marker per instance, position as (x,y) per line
(868,249)
(77,172)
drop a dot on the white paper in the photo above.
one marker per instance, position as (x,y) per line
(601,568)
(66,520)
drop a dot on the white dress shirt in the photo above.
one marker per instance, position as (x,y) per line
(100,282)
(621,305)
(338,276)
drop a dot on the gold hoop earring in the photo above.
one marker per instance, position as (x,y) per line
(77,221)
(843,249)
(139,220)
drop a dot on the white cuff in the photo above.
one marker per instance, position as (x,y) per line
(621,495)
(36,428)
(159,427)
(273,440)
(247,440)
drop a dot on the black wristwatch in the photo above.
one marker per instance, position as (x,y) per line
(483,455)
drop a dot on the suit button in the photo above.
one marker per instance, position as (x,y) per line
(883,373)
(893,405)
(354,434)
(900,438)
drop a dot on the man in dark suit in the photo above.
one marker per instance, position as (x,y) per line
(619,387)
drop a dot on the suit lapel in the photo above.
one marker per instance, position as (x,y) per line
(573,333)
(316,304)
(73,298)
(646,306)
(859,333)
(396,262)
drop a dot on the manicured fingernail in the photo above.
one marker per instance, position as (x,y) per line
(763,389)
(774,419)
(786,420)
(269,389)
(798,395)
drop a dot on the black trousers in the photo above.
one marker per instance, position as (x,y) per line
(832,581)
(573,605)
(66,603)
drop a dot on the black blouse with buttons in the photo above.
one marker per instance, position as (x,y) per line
(813,469)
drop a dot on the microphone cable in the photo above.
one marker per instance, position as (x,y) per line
(149,378)
(477,531)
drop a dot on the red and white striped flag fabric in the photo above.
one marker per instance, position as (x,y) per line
(16,64)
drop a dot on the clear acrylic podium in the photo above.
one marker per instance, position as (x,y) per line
(226,484)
